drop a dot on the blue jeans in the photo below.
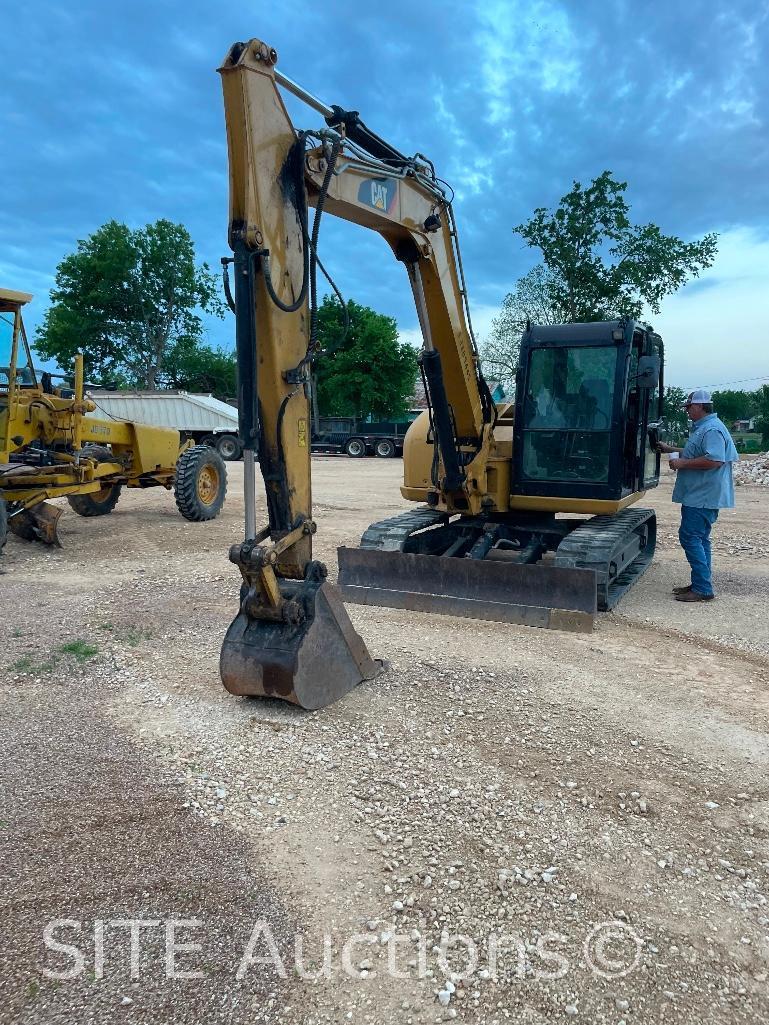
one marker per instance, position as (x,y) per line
(694,535)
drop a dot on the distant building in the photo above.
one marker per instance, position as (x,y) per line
(745,425)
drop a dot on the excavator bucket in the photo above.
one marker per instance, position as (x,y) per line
(311,664)
(492,589)
(40,523)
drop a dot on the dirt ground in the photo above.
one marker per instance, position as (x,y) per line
(507,825)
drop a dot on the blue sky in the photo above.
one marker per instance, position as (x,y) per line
(114,110)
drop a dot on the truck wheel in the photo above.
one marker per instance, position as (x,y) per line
(355,448)
(229,447)
(201,483)
(3,523)
(96,503)
(385,449)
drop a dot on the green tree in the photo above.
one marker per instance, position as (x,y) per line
(533,299)
(761,410)
(673,412)
(126,299)
(732,405)
(199,368)
(365,371)
(603,266)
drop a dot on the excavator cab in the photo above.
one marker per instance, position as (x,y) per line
(587,396)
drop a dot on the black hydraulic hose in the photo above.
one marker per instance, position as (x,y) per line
(330,165)
(294,183)
(245,345)
(226,261)
(442,420)
(436,453)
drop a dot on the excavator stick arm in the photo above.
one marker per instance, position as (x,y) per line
(292,637)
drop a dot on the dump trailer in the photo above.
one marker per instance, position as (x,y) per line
(525,512)
(51,447)
(203,419)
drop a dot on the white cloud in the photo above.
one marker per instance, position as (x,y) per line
(482,317)
(716,330)
(530,42)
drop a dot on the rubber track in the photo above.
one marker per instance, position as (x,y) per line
(597,542)
(391,535)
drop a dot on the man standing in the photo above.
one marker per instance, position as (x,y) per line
(704,485)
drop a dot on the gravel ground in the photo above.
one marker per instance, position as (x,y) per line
(587,815)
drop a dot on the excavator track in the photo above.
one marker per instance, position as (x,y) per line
(391,535)
(619,549)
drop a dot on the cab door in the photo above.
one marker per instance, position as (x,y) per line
(640,463)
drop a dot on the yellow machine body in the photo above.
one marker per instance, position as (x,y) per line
(50,448)
(417,485)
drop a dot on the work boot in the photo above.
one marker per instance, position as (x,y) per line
(690,595)
(683,589)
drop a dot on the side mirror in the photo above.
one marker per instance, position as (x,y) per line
(648,375)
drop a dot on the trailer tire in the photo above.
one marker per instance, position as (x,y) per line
(385,448)
(3,523)
(200,484)
(355,448)
(228,446)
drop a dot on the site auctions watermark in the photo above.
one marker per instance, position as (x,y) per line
(611,950)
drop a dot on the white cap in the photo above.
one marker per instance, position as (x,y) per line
(700,396)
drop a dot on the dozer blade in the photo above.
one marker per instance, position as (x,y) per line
(504,592)
(40,523)
(311,664)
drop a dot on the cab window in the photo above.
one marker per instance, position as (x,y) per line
(568,413)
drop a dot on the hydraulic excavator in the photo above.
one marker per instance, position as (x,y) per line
(524,508)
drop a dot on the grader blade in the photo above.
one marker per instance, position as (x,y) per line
(311,663)
(40,523)
(503,592)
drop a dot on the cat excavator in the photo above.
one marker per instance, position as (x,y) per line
(526,510)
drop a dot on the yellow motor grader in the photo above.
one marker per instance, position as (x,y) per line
(50,448)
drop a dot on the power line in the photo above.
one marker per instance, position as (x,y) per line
(742,380)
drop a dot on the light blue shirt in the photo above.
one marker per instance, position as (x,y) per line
(708,489)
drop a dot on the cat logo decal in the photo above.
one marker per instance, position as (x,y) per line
(379,193)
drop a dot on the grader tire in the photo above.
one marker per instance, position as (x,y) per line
(201,483)
(98,503)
